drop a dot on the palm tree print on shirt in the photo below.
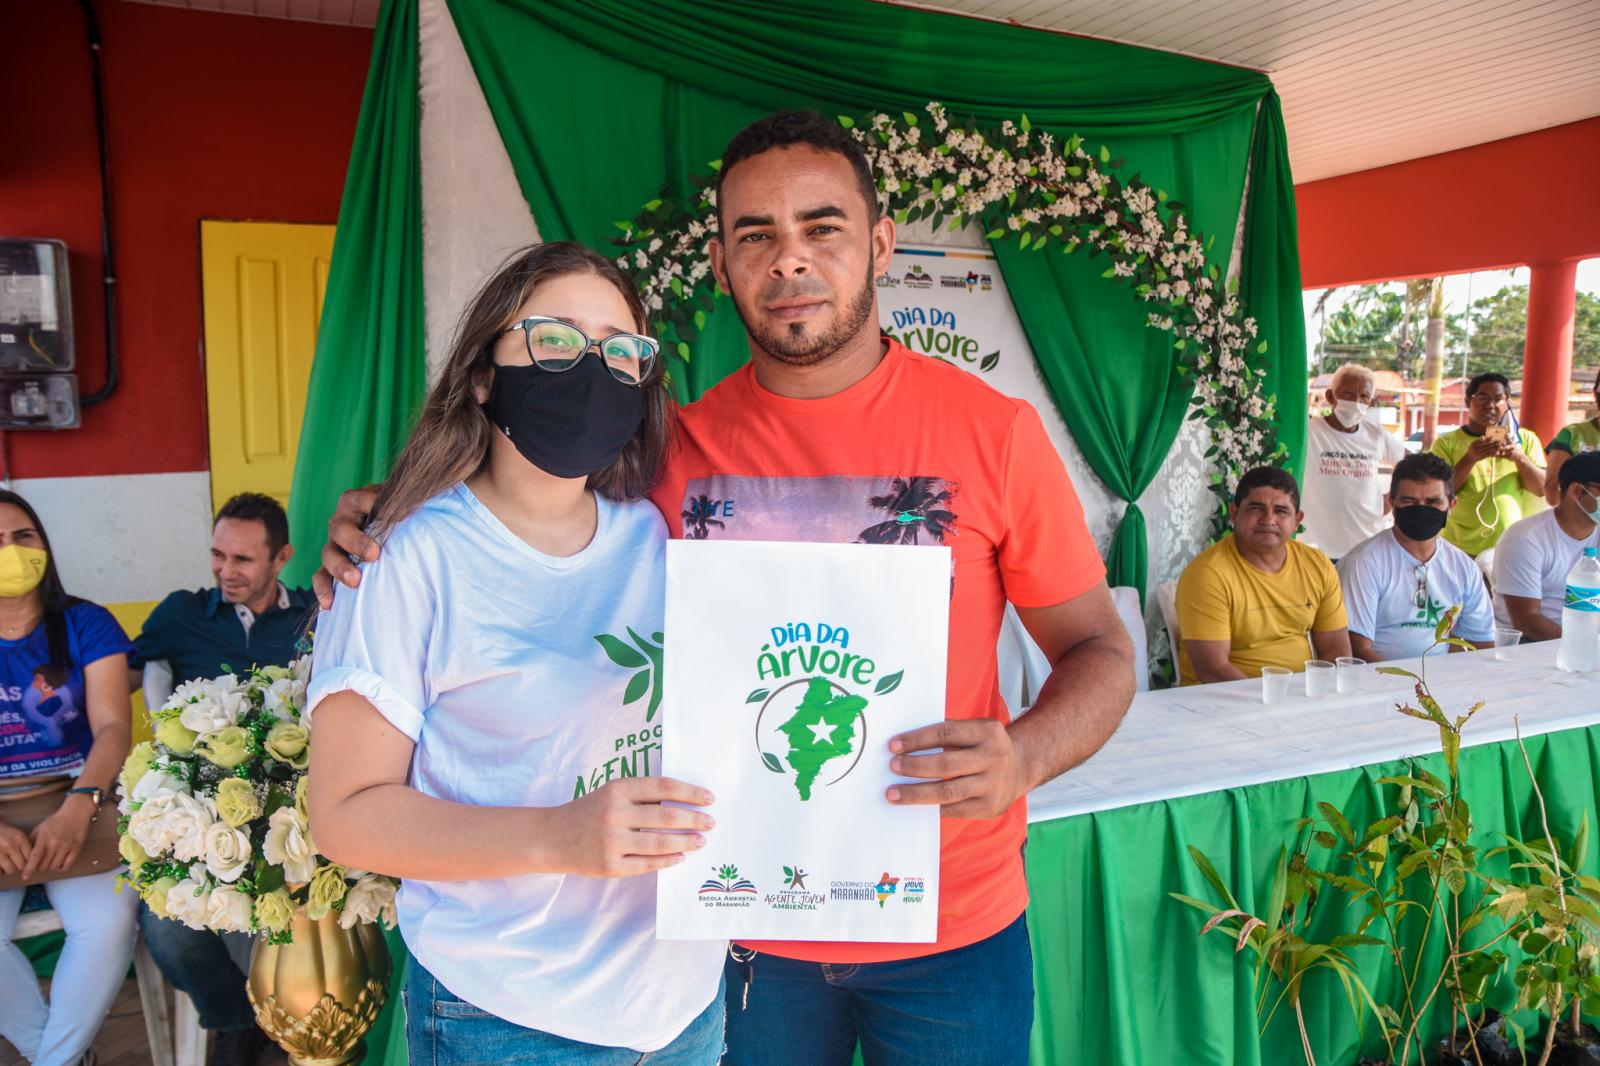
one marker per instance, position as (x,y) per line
(697,520)
(914,505)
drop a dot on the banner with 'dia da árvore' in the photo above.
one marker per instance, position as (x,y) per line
(788,668)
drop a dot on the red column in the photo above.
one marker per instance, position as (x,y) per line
(1547,357)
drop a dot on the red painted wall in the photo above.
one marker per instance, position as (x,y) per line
(209,116)
(1534,198)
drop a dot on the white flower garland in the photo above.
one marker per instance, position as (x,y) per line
(1024,186)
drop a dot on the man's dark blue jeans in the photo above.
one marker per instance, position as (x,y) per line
(972,1005)
(207,967)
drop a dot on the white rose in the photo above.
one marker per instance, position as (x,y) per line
(227,852)
(152,827)
(301,669)
(152,784)
(189,902)
(189,819)
(369,899)
(184,693)
(284,697)
(288,844)
(220,705)
(228,910)
(276,673)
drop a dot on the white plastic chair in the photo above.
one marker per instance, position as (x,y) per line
(1167,600)
(1126,597)
(1024,668)
(183,1043)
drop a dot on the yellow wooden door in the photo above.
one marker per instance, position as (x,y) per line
(262,286)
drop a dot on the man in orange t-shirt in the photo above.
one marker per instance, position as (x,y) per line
(833,433)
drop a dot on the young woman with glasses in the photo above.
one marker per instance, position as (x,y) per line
(485,701)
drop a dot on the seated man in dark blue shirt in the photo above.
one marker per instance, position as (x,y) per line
(249,619)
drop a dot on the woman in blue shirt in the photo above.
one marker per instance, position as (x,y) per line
(63,711)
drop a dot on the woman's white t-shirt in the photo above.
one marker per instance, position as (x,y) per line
(525,680)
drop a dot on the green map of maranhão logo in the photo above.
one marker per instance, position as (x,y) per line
(811,722)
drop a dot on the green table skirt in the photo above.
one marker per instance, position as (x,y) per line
(1121,976)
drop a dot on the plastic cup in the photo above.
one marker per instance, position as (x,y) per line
(1505,638)
(1319,678)
(1274,684)
(1347,673)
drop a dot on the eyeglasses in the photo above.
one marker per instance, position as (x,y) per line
(557,346)
(1419,598)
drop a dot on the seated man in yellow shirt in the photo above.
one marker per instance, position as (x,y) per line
(1258,597)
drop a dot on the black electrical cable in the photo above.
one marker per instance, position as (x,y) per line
(109,271)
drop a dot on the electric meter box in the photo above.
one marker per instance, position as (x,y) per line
(38,388)
(35,306)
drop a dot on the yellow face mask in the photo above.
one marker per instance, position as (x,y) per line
(21,569)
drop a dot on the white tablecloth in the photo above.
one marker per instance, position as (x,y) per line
(1185,741)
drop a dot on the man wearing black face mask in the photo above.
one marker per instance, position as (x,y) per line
(1399,583)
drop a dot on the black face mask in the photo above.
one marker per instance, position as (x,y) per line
(1419,521)
(570,424)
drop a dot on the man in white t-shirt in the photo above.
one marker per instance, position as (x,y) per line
(1533,557)
(1399,583)
(1342,493)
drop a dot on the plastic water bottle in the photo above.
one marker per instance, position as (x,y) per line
(1580,616)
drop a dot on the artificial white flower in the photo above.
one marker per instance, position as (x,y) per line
(222,702)
(227,853)
(284,697)
(154,782)
(190,818)
(228,910)
(288,844)
(370,899)
(189,901)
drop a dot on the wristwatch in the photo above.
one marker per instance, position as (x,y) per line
(94,794)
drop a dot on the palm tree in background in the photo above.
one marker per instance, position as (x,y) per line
(914,505)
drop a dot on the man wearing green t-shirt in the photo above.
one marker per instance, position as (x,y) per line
(1499,469)
(1575,439)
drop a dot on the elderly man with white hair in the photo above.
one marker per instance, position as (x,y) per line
(1343,496)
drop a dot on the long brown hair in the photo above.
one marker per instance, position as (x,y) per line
(451,438)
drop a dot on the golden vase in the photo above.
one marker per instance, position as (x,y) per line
(318,996)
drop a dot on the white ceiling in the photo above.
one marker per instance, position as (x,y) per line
(1364,82)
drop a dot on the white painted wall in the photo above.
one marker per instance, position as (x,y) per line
(128,538)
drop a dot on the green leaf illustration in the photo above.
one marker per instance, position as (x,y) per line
(989,361)
(787,872)
(757,696)
(890,683)
(620,653)
(772,762)
(637,687)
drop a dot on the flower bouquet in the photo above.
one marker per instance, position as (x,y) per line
(214,826)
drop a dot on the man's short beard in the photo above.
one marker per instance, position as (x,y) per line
(789,344)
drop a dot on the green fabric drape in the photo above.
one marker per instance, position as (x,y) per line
(1270,276)
(369,369)
(1114,378)
(628,98)
(1121,974)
